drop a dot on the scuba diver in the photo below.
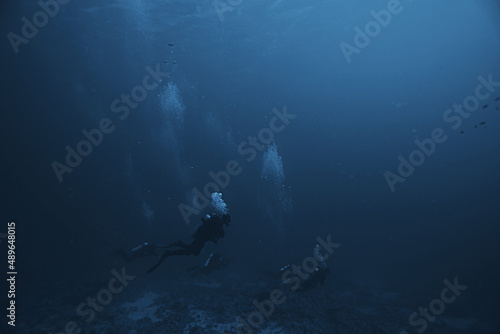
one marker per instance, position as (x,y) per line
(313,279)
(146,249)
(211,229)
(318,276)
(215,262)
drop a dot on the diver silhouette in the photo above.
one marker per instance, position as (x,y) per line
(211,229)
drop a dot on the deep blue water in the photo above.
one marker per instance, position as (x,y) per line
(363,86)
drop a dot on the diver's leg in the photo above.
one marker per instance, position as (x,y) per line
(182,251)
(192,249)
(178,243)
(150,270)
(196,247)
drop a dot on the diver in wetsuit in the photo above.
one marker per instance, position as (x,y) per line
(318,276)
(215,262)
(313,279)
(211,229)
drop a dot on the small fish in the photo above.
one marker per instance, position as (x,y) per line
(174,62)
(165,61)
(497,108)
(482,123)
(475,126)
(170,44)
(497,99)
(462,132)
(485,106)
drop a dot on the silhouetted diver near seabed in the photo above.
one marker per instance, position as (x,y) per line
(312,280)
(211,229)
